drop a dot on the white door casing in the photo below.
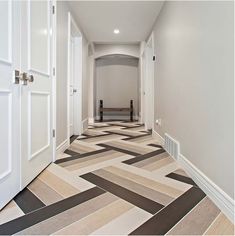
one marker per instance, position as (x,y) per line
(149,84)
(72,89)
(75,34)
(9,101)
(36,97)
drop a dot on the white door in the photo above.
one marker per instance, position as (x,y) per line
(72,89)
(9,101)
(36,101)
(149,86)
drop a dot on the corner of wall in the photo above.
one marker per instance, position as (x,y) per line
(158,137)
(61,148)
(84,125)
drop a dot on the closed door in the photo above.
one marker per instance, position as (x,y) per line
(36,94)
(9,101)
(72,89)
(149,85)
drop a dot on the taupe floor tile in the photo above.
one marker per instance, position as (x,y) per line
(152,195)
(221,226)
(198,220)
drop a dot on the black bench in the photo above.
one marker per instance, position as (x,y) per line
(122,109)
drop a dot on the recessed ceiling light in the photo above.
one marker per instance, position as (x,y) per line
(116,31)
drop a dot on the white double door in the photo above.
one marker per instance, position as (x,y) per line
(25,105)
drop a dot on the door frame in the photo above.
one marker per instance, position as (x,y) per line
(53,73)
(148,71)
(78,40)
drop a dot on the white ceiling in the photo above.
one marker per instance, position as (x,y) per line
(98,19)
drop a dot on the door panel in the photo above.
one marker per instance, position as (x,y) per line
(39,40)
(5,26)
(39,137)
(9,102)
(6,128)
(36,109)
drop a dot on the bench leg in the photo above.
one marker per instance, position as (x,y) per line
(101,116)
(131,115)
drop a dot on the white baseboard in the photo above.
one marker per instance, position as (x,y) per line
(158,137)
(62,147)
(223,201)
(214,192)
(91,120)
(84,125)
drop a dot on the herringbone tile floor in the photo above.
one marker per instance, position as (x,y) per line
(115,179)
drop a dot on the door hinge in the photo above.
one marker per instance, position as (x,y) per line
(53,133)
(53,9)
(53,71)
(154,58)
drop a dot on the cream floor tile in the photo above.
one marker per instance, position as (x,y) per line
(150,183)
(180,186)
(102,165)
(60,186)
(98,219)
(74,180)
(125,223)
(10,212)
(221,226)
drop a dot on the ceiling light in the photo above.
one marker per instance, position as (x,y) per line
(116,31)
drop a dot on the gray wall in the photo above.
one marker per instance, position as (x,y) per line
(117,83)
(194,84)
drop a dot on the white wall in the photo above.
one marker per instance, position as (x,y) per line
(117,83)
(62,10)
(123,49)
(61,71)
(194,84)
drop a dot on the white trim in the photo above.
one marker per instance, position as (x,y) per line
(148,84)
(84,125)
(158,137)
(62,147)
(224,202)
(214,192)
(77,84)
(53,77)
(91,120)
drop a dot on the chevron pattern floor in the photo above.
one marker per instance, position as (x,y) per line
(115,179)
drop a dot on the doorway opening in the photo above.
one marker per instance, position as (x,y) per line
(74,86)
(148,83)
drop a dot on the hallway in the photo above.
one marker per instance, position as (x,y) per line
(117,117)
(115,179)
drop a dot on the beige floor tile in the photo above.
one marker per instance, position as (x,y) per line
(70,216)
(46,194)
(221,226)
(170,191)
(125,223)
(197,220)
(74,180)
(158,164)
(10,212)
(98,219)
(56,183)
(135,187)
